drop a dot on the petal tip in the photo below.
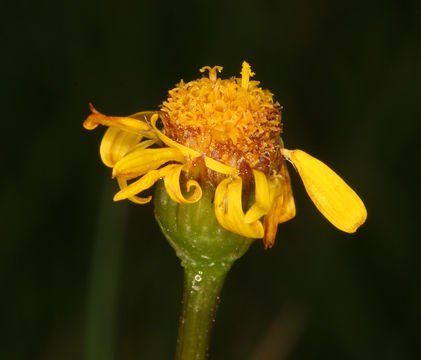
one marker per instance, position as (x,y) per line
(118,197)
(93,110)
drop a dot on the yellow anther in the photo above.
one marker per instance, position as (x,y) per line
(212,72)
(246,74)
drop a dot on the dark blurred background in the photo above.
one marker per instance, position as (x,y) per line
(85,278)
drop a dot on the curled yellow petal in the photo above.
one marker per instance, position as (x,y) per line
(263,202)
(129,124)
(126,191)
(229,211)
(331,195)
(171,175)
(192,154)
(116,143)
(140,161)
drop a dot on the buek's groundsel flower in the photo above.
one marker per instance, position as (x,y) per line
(225,134)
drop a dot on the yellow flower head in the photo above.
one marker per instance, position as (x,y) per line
(229,120)
(224,134)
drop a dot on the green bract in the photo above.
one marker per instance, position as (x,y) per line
(194,233)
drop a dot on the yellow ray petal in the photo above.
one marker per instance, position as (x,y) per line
(140,161)
(136,187)
(263,202)
(192,154)
(287,207)
(271,223)
(142,145)
(136,199)
(229,211)
(171,174)
(143,115)
(116,143)
(283,208)
(331,195)
(128,124)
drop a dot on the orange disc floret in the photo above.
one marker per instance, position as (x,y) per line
(229,120)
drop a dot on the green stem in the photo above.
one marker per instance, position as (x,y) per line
(202,286)
(206,251)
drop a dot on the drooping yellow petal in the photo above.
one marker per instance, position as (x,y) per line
(271,224)
(192,154)
(287,207)
(116,143)
(331,195)
(263,202)
(140,161)
(283,205)
(171,174)
(229,211)
(129,124)
(122,194)
(280,188)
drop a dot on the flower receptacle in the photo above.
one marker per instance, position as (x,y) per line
(194,232)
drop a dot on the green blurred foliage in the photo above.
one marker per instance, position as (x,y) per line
(72,261)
